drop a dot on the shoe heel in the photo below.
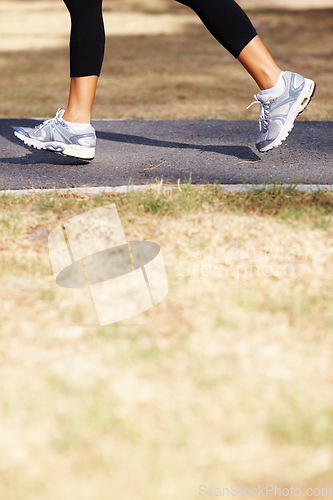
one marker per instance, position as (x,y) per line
(306,98)
(81,154)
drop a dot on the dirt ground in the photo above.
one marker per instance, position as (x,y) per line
(286,4)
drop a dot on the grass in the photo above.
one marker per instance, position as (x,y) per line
(292,427)
(227,381)
(161,64)
(284,202)
(11,223)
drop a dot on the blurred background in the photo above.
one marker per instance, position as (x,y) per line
(160,61)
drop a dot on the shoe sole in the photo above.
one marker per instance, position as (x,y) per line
(298,107)
(77,152)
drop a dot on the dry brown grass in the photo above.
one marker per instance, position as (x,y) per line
(160,61)
(227,381)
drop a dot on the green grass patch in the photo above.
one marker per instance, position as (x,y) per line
(286,203)
(297,425)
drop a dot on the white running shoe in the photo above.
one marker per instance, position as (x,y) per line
(57,136)
(278,114)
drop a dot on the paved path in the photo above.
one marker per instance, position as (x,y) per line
(143,151)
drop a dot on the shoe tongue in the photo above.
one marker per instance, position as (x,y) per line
(60,113)
(262,98)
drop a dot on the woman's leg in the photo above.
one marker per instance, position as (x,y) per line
(70,132)
(259,63)
(81,98)
(283,94)
(229,24)
(86,57)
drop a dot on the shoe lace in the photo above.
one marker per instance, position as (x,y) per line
(264,111)
(42,125)
(55,119)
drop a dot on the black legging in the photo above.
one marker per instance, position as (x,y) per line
(227,22)
(87,37)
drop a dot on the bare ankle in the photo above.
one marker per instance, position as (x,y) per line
(269,80)
(76,117)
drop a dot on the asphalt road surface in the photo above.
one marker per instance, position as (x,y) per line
(143,151)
